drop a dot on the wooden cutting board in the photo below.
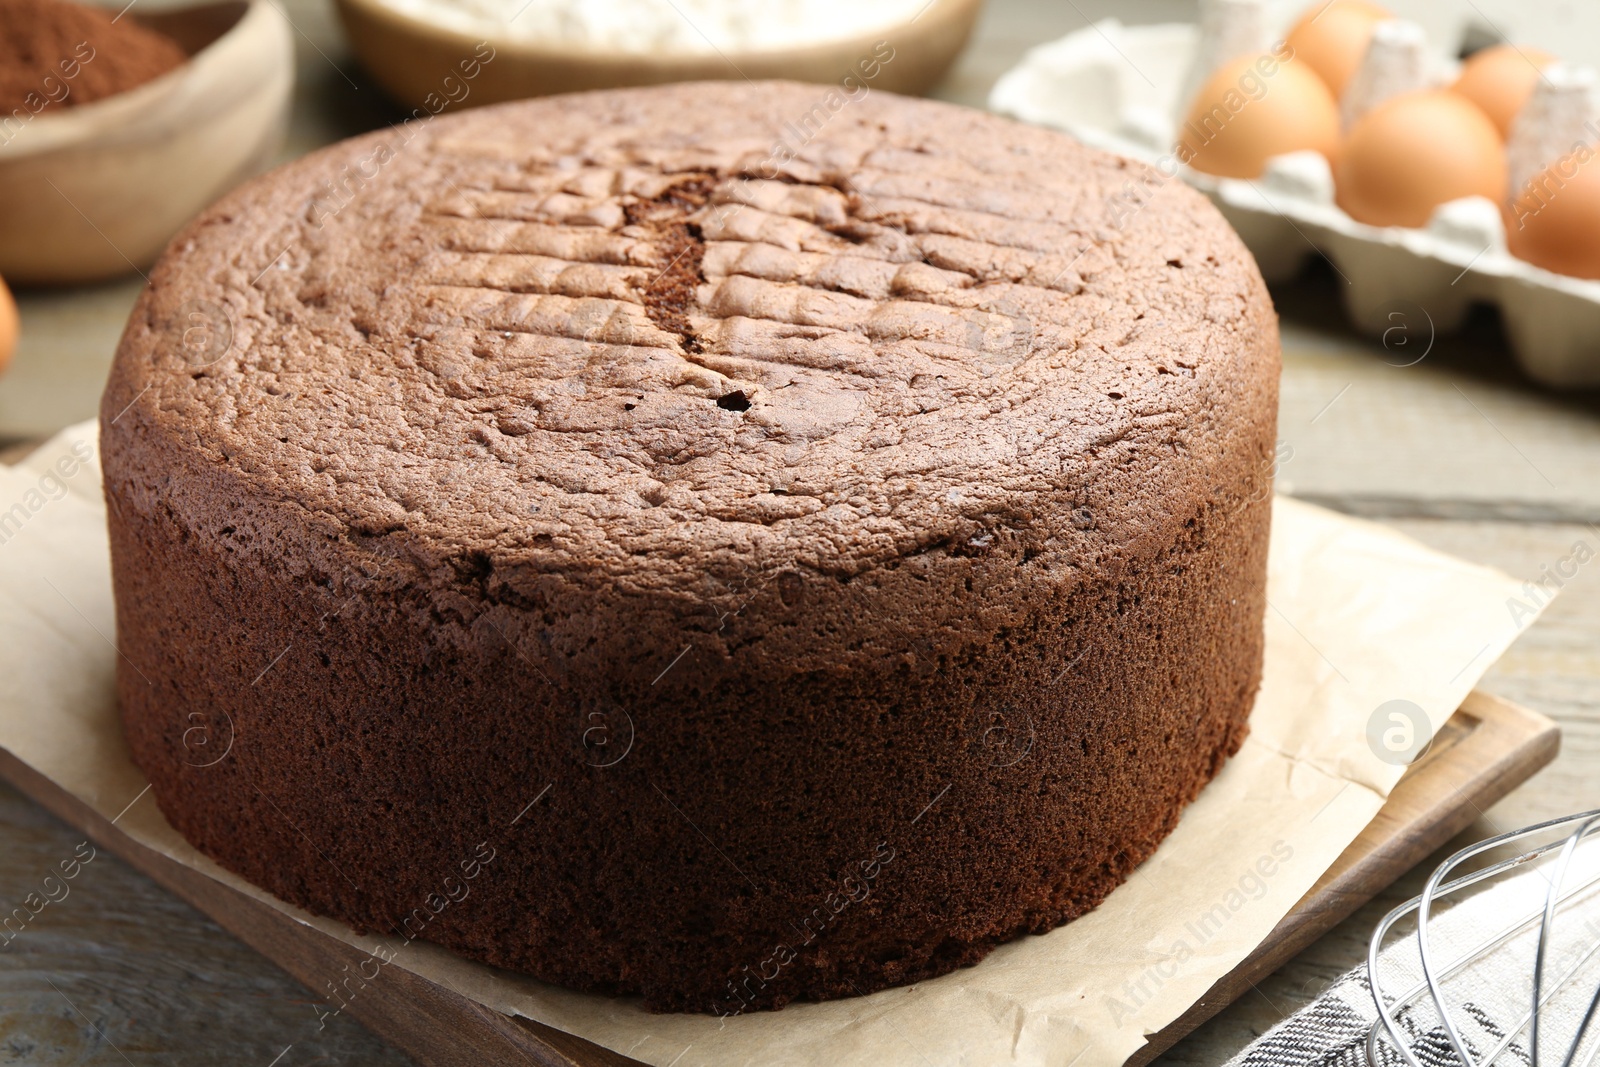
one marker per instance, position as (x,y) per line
(1486,749)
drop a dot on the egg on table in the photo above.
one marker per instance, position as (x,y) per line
(9,326)
(1500,79)
(1253,108)
(1411,153)
(1332,37)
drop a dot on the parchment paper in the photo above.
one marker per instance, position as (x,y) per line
(1359,617)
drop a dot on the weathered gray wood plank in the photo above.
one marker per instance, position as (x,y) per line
(113,967)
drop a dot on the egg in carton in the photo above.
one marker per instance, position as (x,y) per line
(1125,89)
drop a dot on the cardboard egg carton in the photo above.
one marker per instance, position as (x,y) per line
(1123,88)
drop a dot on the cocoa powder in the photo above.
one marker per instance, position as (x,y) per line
(54,53)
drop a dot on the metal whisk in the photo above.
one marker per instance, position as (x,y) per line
(1505,919)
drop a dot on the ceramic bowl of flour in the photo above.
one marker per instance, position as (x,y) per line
(433,54)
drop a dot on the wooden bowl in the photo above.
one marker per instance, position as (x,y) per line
(422,64)
(95,191)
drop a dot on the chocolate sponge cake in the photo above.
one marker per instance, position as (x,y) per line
(722,543)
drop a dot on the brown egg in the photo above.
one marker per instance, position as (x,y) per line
(1555,223)
(1331,38)
(10,325)
(1254,108)
(1500,80)
(1410,154)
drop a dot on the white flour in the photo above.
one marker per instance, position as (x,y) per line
(666,26)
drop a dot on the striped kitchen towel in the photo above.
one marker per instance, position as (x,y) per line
(1487,986)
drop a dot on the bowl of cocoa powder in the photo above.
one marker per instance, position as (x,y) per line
(117,125)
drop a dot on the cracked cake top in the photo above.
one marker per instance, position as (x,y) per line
(713,322)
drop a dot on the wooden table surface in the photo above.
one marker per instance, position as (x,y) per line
(1459,451)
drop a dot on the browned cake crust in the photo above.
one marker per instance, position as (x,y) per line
(853,551)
